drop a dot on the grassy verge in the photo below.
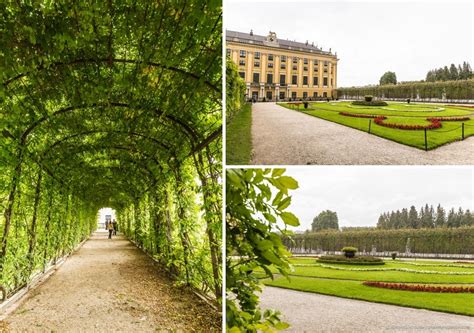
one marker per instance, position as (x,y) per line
(239,137)
(452,303)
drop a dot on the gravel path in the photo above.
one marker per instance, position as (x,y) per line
(283,136)
(308,312)
(111,286)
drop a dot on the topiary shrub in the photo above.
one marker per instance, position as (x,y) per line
(394,255)
(368,98)
(349,251)
(359,260)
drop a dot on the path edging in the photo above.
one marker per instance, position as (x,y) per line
(13,302)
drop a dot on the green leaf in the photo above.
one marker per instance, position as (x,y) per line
(284,203)
(290,219)
(288,182)
(278,172)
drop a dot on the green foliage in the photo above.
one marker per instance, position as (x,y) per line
(439,240)
(325,220)
(453,90)
(256,203)
(463,72)
(239,137)
(359,260)
(370,103)
(235,90)
(349,249)
(388,78)
(368,98)
(111,104)
(428,217)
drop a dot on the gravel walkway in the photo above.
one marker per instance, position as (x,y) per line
(111,286)
(308,312)
(283,136)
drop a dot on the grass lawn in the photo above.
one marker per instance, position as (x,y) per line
(397,113)
(348,284)
(239,138)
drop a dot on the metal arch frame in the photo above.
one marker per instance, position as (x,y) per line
(214,87)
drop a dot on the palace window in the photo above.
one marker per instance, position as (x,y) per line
(315,61)
(283,58)
(294,79)
(270,65)
(325,81)
(295,60)
(270,57)
(256,64)
(243,53)
(241,62)
(315,81)
(305,68)
(257,55)
(305,61)
(293,94)
(326,63)
(315,94)
(282,79)
(295,67)
(325,94)
(305,94)
(256,78)
(282,66)
(331,82)
(269,78)
(229,51)
(242,75)
(316,68)
(305,80)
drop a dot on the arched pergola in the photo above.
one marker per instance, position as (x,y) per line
(111,104)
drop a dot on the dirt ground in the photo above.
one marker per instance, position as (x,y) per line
(111,286)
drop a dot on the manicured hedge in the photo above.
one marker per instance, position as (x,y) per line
(461,89)
(359,260)
(370,103)
(379,120)
(439,240)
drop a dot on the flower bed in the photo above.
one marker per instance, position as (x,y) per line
(358,115)
(419,287)
(379,120)
(448,118)
(408,270)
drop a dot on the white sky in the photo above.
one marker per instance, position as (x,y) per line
(106,211)
(371,37)
(360,193)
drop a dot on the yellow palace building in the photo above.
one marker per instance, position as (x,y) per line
(279,69)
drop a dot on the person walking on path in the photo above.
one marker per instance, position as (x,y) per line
(115,227)
(110,227)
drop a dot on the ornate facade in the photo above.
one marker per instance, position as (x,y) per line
(278,69)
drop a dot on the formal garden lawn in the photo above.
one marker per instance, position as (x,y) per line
(347,281)
(396,113)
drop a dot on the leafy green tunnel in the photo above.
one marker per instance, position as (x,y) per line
(111,104)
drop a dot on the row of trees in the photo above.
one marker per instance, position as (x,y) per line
(459,72)
(427,217)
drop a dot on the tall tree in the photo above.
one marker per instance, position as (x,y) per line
(325,220)
(388,78)
(440,220)
(453,72)
(451,218)
(413,221)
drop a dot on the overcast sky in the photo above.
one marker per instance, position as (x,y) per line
(360,194)
(407,37)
